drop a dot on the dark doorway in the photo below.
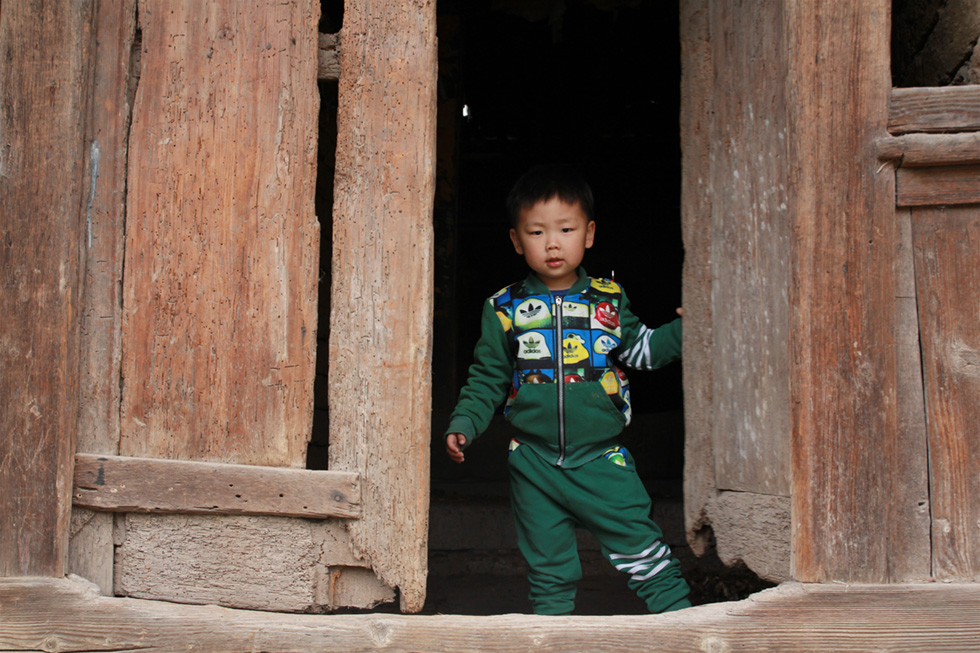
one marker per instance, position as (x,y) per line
(592,83)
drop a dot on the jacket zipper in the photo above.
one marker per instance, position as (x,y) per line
(560,381)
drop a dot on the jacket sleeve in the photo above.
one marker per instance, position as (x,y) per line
(643,348)
(488,381)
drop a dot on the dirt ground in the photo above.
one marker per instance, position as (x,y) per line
(598,594)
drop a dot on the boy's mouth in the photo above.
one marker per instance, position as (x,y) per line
(554,262)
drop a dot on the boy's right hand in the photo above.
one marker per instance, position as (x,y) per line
(454,446)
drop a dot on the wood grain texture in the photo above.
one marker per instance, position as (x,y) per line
(252,562)
(54,614)
(107,142)
(938,185)
(697,73)
(381,298)
(122,484)
(934,109)
(907,481)
(947,242)
(42,168)
(844,360)
(750,245)
(90,548)
(219,293)
(930,149)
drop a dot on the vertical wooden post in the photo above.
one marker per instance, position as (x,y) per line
(736,203)
(43,47)
(381,301)
(845,237)
(90,552)
(697,75)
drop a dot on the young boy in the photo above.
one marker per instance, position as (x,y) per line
(549,347)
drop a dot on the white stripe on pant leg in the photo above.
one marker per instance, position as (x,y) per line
(654,572)
(640,565)
(626,556)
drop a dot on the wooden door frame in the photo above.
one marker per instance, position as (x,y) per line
(848,423)
(826,611)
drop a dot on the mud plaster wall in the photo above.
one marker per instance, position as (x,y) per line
(935,42)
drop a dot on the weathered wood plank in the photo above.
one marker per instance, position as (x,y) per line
(90,546)
(259,563)
(45,48)
(122,484)
(219,296)
(947,242)
(934,186)
(930,149)
(101,319)
(328,57)
(381,299)
(844,363)
(907,483)
(750,247)
(934,109)
(60,615)
(697,75)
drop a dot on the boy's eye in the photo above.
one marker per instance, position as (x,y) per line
(536,233)
(567,230)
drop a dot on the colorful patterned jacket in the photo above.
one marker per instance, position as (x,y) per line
(530,339)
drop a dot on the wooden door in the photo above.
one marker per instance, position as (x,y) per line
(936,151)
(806,453)
(202,456)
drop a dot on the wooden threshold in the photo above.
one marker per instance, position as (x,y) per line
(68,615)
(123,484)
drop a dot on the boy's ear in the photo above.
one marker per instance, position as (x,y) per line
(589,234)
(517,242)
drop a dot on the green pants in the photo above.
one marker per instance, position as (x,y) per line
(608,499)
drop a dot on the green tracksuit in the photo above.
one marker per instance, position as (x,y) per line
(553,359)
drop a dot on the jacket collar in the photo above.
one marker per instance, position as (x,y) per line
(537,287)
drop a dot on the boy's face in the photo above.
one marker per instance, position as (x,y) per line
(553,236)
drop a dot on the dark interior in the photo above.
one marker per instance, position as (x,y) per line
(590,83)
(595,84)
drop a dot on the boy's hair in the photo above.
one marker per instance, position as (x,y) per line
(544,182)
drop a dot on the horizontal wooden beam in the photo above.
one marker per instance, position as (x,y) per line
(121,484)
(930,149)
(328,57)
(940,109)
(58,614)
(937,186)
